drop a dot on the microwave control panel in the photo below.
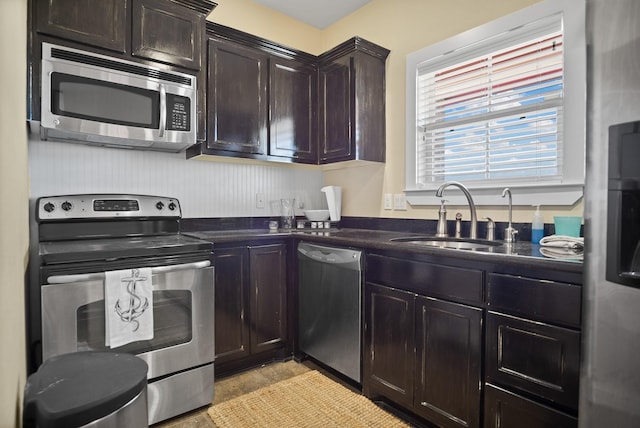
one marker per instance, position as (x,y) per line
(178,113)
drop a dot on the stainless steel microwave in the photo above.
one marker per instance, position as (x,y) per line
(96,99)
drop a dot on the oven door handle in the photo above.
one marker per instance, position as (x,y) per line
(81,277)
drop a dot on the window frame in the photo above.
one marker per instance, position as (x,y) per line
(565,191)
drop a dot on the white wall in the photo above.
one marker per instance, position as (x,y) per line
(204,189)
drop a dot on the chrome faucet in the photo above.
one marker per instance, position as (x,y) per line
(473,234)
(509,232)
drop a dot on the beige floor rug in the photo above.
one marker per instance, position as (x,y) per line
(307,400)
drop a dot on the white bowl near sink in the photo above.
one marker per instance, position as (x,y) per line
(316,215)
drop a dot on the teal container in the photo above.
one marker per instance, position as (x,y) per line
(568,225)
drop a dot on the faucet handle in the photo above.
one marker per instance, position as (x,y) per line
(458,232)
(441,228)
(510,234)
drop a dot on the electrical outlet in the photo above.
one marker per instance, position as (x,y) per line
(399,202)
(388,201)
(259,200)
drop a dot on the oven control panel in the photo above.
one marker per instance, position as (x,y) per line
(106,206)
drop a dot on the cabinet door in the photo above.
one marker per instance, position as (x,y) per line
(164,31)
(231,300)
(448,363)
(504,409)
(268,290)
(336,111)
(236,99)
(535,357)
(101,23)
(293,98)
(369,123)
(389,341)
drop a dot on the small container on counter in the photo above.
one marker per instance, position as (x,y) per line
(537,226)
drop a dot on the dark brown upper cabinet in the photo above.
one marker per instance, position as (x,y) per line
(166,31)
(267,101)
(100,23)
(292,107)
(352,102)
(261,99)
(236,99)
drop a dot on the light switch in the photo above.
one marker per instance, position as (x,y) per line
(399,201)
(388,201)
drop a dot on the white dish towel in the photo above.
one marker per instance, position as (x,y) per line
(560,241)
(562,247)
(128,300)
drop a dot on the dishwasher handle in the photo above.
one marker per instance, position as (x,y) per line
(347,258)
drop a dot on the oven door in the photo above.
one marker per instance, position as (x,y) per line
(73,318)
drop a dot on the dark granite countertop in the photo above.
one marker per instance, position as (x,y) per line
(517,253)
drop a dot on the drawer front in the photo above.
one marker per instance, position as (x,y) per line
(451,283)
(553,302)
(506,409)
(537,358)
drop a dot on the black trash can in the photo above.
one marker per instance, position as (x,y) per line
(100,389)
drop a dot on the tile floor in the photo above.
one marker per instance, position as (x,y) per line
(234,386)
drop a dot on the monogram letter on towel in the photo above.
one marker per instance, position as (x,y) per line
(128,299)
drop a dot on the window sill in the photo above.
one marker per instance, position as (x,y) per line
(557,195)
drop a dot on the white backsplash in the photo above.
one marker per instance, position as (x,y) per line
(204,189)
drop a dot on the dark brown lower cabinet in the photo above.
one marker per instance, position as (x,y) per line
(533,336)
(250,302)
(535,357)
(231,300)
(389,341)
(448,363)
(424,354)
(504,409)
(268,297)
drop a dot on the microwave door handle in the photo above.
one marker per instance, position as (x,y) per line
(163,111)
(82,277)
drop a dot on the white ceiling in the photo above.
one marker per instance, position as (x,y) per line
(319,14)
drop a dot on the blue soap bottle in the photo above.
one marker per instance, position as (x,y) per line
(537,226)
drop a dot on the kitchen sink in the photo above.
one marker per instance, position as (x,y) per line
(447,242)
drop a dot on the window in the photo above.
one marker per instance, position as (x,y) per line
(507,109)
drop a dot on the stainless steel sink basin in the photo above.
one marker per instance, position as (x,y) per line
(454,243)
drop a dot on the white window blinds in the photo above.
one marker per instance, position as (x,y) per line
(493,116)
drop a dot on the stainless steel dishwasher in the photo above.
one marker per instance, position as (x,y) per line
(330,306)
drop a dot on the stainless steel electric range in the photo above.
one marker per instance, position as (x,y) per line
(81,240)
